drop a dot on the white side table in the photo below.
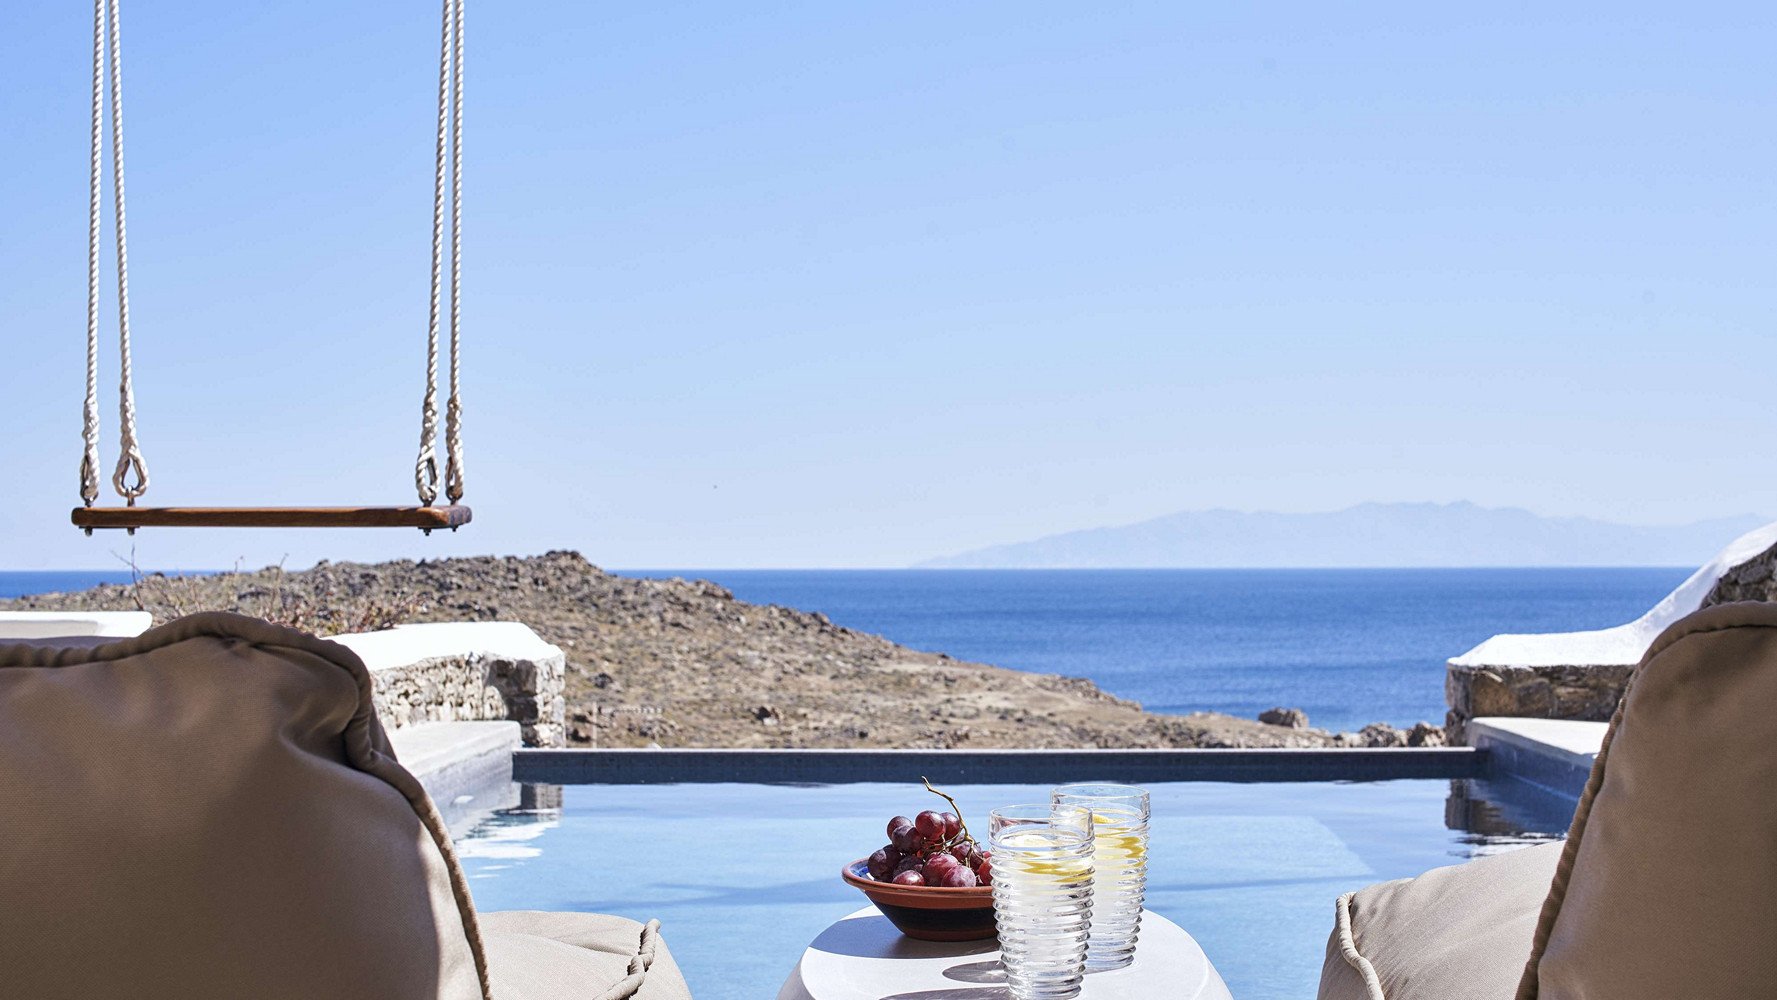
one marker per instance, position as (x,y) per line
(863,957)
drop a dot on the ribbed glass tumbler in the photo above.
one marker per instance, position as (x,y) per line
(1119,867)
(1042,897)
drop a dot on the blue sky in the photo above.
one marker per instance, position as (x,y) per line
(848,285)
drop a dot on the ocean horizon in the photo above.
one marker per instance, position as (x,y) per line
(1349,647)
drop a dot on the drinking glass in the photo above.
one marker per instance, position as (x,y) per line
(1042,897)
(1119,866)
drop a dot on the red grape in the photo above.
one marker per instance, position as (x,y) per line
(898,821)
(953,825)
(906,838)
(984,870)
(907,864)
(959,878)
(930,826)
(882,864)
(937,865)
(966,852)
(910,878)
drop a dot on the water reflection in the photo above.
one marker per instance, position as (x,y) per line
(1505,812)
(504,824)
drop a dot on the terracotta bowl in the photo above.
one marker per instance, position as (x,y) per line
(928,913)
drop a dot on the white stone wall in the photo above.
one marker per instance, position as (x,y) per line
(466,671)
(1582,675)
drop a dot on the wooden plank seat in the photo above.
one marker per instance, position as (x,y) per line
(452,516)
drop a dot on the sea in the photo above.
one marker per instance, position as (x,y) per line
(27,582)
(1349,647)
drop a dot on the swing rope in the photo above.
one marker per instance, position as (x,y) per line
(130,478)
(89,462)
(449,152)
(106,21)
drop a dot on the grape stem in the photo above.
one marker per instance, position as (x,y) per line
(954,808)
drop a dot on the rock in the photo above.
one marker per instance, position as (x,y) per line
(1289,718)
(1489,694)
(1753,580)
(1424,734)
(1587,693)
(1381,734)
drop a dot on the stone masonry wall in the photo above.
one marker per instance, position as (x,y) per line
(1584,692)
(474,687)
(1752,580)
(1587,693)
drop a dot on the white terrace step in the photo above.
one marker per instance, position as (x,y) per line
(1555,754)
(466,767)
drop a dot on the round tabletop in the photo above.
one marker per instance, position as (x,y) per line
(863,957)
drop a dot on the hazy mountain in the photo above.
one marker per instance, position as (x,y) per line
(1371,534)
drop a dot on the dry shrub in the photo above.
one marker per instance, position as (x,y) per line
(319,606)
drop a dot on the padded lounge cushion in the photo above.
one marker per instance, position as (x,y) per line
(1668,885)
(1456,933)
(545,956)
(210,811)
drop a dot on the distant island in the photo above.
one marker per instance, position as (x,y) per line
(1365,536)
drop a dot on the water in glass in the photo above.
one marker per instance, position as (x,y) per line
(1120,866)
(1042,897)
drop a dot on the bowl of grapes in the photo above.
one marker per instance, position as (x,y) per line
(932,880)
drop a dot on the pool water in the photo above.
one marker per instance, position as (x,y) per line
(742,877)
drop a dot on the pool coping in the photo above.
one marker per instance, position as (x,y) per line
(849,766)
(1554,754)
(465,767)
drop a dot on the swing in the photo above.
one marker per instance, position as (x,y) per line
(130,479)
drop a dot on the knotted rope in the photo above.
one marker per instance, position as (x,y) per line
(450,144)
(89,461)
(107,24)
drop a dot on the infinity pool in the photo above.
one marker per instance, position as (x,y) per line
(742,877)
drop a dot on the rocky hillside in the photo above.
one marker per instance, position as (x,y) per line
(682,663)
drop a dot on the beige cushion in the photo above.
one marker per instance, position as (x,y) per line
(59,641)
(542,956)
(1668,885)
(1456,933)
(211,811)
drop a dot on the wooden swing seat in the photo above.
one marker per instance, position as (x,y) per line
(130,518)
(440,458)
